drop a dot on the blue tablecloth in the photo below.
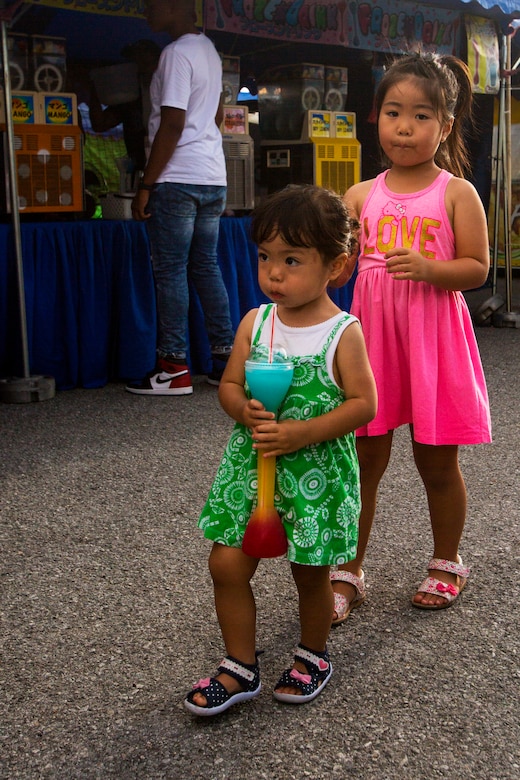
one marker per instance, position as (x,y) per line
(90,300)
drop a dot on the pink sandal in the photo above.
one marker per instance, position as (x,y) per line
(448,592)
(342,606)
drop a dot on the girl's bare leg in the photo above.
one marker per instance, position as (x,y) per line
(439,469)
(374,454)
(316,603)
(232,571)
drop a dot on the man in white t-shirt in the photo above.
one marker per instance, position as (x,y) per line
(182,196)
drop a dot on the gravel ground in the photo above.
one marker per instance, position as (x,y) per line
(107,614)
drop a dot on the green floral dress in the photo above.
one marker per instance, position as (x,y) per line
(317,490)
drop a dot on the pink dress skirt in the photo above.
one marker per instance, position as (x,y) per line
(423,351)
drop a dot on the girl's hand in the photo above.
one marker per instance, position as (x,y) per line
(404,263)
(280,438)
(253,414)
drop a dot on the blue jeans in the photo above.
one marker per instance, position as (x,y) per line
(183,231)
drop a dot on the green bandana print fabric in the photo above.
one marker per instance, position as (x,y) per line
(317,488)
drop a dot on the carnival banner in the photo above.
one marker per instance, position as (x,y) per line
(128,8)
(398,27)
(483,54)
(379,25)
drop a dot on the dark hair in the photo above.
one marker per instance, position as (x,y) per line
(446,81)
(305,215)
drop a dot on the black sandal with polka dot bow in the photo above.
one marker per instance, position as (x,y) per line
(218,699)
(319,670)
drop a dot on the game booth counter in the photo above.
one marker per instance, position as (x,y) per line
(76,292)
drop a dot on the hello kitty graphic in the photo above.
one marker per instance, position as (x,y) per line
(396,210)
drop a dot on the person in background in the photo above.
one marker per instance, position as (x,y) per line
(304,238)
(423,239)
(182,196)
(133,116)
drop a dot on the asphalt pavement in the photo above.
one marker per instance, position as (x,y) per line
(107,614)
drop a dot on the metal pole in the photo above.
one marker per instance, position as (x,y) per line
(486,313)
(498,180)
(27,388)
(13,197)
(507,318)
(507,187)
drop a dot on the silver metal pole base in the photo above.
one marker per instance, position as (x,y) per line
(506,319)
(482,315)
(25,390)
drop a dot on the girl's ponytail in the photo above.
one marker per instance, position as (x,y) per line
(453,154)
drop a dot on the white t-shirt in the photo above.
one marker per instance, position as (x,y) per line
(189,76)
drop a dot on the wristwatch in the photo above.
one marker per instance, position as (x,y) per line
(143,186)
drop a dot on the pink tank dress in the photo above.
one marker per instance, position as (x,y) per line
(420,339)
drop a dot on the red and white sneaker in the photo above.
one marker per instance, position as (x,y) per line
(168,378)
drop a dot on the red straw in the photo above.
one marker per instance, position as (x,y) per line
(272,338)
